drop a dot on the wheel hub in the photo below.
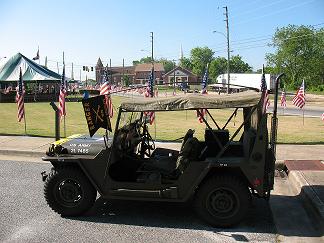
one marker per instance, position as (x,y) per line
(70,192)
(222,203)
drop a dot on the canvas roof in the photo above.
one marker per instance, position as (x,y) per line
(193,101)
(9,70)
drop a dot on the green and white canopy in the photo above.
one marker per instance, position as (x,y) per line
(32,72)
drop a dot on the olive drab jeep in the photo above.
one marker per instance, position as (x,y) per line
(219,173)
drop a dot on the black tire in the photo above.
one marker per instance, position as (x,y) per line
(68,192)
(222,201)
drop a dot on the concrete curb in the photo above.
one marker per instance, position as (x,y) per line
(22,153)
(310,199)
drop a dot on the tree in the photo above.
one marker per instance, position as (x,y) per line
(126,80)
(167,64)
(299,54)
(217,67)
(185,63)
(147,59)
(237,65)
(200,57)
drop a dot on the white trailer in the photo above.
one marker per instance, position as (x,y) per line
(252,80)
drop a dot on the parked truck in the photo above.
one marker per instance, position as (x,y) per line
(241,80)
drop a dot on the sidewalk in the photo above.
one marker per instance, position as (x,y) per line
(308,184)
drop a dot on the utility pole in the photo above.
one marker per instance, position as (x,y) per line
(152,53)
(72,74)
(174,78)
(123,81)
(110,71)
(228,51)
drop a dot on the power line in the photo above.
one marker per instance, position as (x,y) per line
(274,12)
(256,9)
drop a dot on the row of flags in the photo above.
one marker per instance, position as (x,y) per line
(105,89)
(299,100)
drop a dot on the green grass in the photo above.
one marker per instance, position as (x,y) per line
(168,125)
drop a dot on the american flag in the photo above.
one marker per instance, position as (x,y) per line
(20,98)
(322,117)
(204,81)
(150,93)
(105,90)
(151,83)
(299,100)
(265,95)
(200,116)
(62,95)
(283,101)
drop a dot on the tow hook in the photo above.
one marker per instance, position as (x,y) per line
(44,175)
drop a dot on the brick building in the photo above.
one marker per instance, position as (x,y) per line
(181,75)
(138,74)
(143,71)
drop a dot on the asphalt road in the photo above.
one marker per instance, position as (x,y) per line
(299,112)
(25,217)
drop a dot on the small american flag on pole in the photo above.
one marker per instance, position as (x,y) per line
(150,93)
(283,101)
(265,94)
(299,100)
(204,82)
(203,112)
(105,90)
(20,98)
(62,95)
(322,117)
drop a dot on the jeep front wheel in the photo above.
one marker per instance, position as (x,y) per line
(222,201)
(68,192)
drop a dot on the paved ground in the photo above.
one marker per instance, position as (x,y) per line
(292,220)
(25,217)
(25,214)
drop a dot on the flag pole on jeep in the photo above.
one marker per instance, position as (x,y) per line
(274,122)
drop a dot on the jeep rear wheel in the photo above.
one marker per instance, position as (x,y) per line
(222,201)
(68,192)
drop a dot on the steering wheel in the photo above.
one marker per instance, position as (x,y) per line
(147,142)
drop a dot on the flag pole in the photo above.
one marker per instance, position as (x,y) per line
(24,113)
(303,116)
(64,102)
(25,123)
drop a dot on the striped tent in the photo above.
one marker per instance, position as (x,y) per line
(32,72)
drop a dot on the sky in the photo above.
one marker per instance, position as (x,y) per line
(86,30)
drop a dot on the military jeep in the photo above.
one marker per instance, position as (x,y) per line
(219,175)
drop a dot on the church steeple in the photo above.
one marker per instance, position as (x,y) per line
(99,63)
(180,54)
(99,70)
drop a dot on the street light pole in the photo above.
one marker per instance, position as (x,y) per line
(228,51)
(174,77)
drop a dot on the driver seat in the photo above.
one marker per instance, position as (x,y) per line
(169,167)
